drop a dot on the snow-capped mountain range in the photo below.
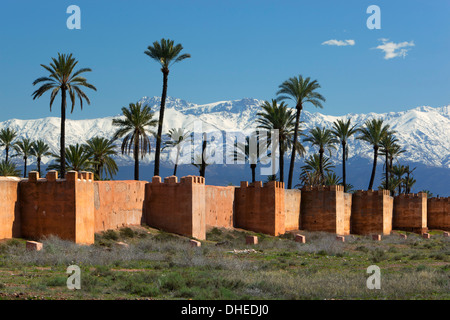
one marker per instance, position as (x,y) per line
(424,132)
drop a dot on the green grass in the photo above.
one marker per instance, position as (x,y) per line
(160,265)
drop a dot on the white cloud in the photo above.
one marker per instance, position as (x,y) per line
(339,43)
(393,50)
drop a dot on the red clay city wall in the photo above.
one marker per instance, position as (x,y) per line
(371,212)
(9,208)
(118,204)
(260,209)
(58,207)
(438,213)
(177,207)
(410,212)
(219,202)
(292,201)
(323,209)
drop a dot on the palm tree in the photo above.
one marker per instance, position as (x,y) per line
(324,139)
(310,174)
(8,169)
(6,140)
(77,159)
(39,150)
(301,91)
(387,144)
(394,152)
(281,118)
(101,152)
(409,181)
(343,130)
(332,179)
(177,137)
(23,147)
(398,171)
(372,132)
(135,128)
(166,54)
(63,78)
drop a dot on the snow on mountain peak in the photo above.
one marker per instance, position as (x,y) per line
(424,132)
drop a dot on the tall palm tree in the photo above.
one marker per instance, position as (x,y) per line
(372,132)
(24,147)
(281,118)
(7,137)
(166,53)
(301,90)
(135,127)
(39,150)
(177,137)
(77,159)
(387,144)
(101,152)
(63,78)
(343,130)
(324,139)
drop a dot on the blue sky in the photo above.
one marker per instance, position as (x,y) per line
(239,49)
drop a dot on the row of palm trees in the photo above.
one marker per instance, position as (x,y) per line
(134,126)
(374,131)
(64,80)
(95,155)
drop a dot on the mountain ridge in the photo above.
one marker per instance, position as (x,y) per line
(422,131)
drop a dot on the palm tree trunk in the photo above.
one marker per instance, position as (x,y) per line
(7,153)
(253,167)
(176,163)
(39,166)
(25,167)
(374,168)
(321,164)
(343,165)
(387,170)
(63,134)
(136,158)
(161,119)
(203,165)
(291,166)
